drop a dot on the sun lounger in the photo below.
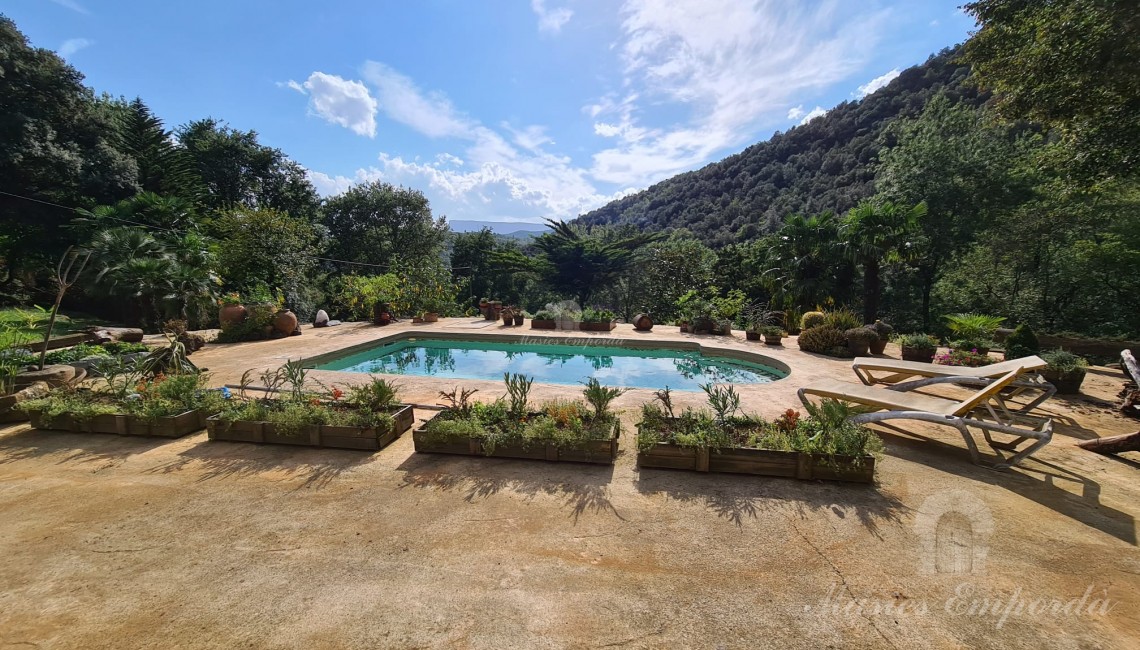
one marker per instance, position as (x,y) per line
(983,410)
(871,371)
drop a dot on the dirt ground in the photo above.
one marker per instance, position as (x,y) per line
(117,542)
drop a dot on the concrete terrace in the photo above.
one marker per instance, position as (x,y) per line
(120,542)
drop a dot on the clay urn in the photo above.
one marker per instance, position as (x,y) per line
(232,314)
(285,322)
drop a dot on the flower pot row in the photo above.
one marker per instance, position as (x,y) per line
(323,435)
(572,325)
(759,462)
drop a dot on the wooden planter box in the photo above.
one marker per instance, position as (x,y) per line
(600,452)
(597,327)
(174,426)
(313,436)
(759,462)
(9,412)
(536,324)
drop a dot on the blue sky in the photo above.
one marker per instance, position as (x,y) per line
(501,110)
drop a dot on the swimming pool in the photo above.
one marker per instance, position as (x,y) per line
(555,364)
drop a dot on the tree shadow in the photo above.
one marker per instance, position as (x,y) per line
(737,497)
(215,459)
(582,487)
(1035,479)
(24,443)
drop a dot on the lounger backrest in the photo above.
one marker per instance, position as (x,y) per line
(1024,363)
(983,395)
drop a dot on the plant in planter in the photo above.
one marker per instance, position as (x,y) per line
(773,334)
(884,331)
(230,309)
(823,339)
(520,317)
(824,445)
(368,416)
(508,316)
(132,399)
(560,430)
(755,318)
(597,320)
(544,320)
(859,340)
(1065,370)
(960,357)
(918,347)
(1021,343)
(257,325)
(973,331)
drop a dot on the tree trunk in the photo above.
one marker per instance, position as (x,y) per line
(1113,444)
(871,291)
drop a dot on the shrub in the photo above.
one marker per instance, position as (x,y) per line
(821,339)
(917,341)
(842,319)
(379,395)
(594,315)
(772,331)
(884,330)
(861,335)
(963,357)
(812,319)
(1064,362)
(1021,343)
(258,318)
(544,314)
(973,327)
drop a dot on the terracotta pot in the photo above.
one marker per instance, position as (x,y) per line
(878,346)
(508,317)
(519,318)
(922,355)
(431,317)
(285,322)
(1067,384)
(232,314)
(642,323)
(752,336)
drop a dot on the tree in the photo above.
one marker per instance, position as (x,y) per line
(875,233)
(376,222)
(1070,65)
(807,267)
(267,248)
(164,167)
(664,270)
(240,172)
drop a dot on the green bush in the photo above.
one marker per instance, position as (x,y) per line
(973,327)
(861,335)
(594,315)
(258,318)
(917,341)
(1064,362)
(842,319)
(812,319)
(1021,343)
(821,339)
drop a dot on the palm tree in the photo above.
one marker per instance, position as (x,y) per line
(130,263)
(803,259)
(877,233)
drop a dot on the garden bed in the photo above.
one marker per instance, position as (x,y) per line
(759,462)
(597,327)
(172,426)
(316,435)
(603,452)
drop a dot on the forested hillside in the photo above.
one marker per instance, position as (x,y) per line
(824,165)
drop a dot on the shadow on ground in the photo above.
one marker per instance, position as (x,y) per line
(582,487)
(739,497)
(17,442)
(1035,479)
(314,467)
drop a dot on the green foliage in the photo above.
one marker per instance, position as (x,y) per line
(917,341)
(812,319)
(379,223)
(841,319)
(600,397)
(1021,343)
(1064,362)
(378,395)
(822,339)
(357,294)
(596,315)
(160,396)
(545,314)
(876,233)
(884,330)
(973,327)
(723,400)
(270,248)
(773,331)
(253,328)
(518,388)
(959,356)
(861,335)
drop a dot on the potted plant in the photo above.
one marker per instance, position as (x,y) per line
(231,311)
(544,320)
(884,331)
(560,430)
(1065,370)
(369,416)
(918,347)
(508,316)
(494,309)
(431,310)
(825,445)
(520,317)
(859,340)
(597,320)
(773,334)
(381,313)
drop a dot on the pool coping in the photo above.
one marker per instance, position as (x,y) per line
(538,339)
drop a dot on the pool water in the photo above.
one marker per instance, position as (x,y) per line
(555,364)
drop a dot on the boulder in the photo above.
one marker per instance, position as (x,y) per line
(322,319)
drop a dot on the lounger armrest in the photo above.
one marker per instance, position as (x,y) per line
(976,382)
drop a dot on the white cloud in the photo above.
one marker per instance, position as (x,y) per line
(796,113)
(878,82)
(339,101)
(812,114)
(429,113)
(732,64)
(550,20)
(73,45)
(328,185)
(72,5)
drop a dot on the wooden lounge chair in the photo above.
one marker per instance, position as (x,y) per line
(896,402)
(873,371)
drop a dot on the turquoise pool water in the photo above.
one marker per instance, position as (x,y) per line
(555,364)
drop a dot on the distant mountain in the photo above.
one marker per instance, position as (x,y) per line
(508,228)
(826,164)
